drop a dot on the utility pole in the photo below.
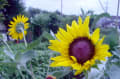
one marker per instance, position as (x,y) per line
(118,8)
(61,6)
(101,5)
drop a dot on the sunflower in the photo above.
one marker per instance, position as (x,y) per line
(17,25)
(78,48)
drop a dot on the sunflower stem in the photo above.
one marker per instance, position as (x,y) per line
(24,37)
(48,66)
(21,74)
(86,75)
(32,72)
(8,47)
(29,72)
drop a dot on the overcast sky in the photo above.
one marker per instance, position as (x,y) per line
(74,6)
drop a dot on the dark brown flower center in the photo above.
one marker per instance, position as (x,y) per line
(82,49)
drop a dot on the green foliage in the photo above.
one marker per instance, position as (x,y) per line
(84,14)
(13,8)
(39,24)
(2,4)
(33,11)
(46,21)
(111,37)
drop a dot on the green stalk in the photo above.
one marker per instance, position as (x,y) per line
(21,74)
(24,37)
(48,66)
(8,47)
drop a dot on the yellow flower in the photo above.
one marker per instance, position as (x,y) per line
(16,26)
(77,47)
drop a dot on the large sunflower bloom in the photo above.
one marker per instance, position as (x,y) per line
(17,25)
(78,48)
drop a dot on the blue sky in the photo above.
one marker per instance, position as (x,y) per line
(73,6)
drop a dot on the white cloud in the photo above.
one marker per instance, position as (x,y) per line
(73,6)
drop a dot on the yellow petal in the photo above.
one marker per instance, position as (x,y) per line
(103,47)
(75,29)
(11,22)
(60,58)
(11,29)
(88,64)
(69,37)
(100,41)
(86,22)
(25,32)
(20,36)
(95,36)
(62,63)
(14,19)
(73,58)
(15,36)
(80,21)
(78,72)
(77,66)
(69,30)
(26,26)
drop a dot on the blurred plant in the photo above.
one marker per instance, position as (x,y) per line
(85,14)
(18,60)
(18,27)
(53,22)
(39,24)
(33,11)
(3,3)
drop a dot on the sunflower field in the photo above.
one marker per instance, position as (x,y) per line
(41,44)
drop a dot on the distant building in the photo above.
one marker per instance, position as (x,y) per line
(106,22)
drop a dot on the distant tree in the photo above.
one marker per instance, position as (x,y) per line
(54,22)
(58,12)
(39,24)
(33,11)
(2,4)
(13,8)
